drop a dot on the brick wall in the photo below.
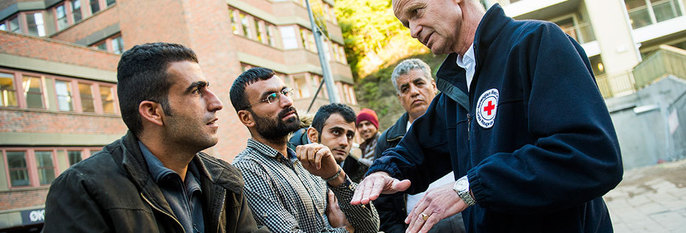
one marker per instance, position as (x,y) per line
(89,25)
(26,121)
(51,50)
(23,198)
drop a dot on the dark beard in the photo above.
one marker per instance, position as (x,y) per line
(276,129)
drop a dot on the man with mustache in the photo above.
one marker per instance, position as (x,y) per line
(334,126)
(519,120)
(415,88)
(288,191)
(155,179)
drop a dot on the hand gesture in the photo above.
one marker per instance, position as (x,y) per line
(317,159)
(335,215)
(437,204)
(376,183)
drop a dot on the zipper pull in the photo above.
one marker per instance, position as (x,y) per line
(469,126)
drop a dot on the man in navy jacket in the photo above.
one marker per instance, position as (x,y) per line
(519,120)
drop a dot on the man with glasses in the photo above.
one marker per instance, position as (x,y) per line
(289,191)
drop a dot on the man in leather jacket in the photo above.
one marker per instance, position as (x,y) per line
(155,179)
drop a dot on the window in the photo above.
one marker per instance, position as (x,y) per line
(61,17)
(270,36)
(76,10)
(102,46)
(14,25)
(288,36)
(64,98)
(111,2)
(3,27)
(87,100)
(646,12)
(117,45)
(34,22)
(95,6)
(19,172)
(244,24)
(33,91)
(258,32)
(234,24)
(107,98)
(8,94)
(45,167)
(74,156)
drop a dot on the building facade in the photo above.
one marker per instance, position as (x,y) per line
(616,34)
(58,58)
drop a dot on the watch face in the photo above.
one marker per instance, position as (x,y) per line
(461,185)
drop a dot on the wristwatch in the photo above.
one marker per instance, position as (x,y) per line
(461,187)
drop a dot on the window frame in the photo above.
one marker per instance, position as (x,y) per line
(23,96)
(31,165)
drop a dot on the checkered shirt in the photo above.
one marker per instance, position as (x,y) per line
(287,198)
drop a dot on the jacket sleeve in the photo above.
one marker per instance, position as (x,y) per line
(246,221)
(423,154)
(70,206)
(575,156)
(363,218)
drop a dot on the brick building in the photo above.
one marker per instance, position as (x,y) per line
(58,58)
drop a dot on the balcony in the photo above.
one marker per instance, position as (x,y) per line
(667,60)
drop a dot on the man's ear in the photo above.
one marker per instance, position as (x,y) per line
(151,112)
(312,134)
(246,118)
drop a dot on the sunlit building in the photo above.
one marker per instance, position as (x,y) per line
(58,58)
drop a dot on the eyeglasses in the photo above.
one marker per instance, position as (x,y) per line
(275,97)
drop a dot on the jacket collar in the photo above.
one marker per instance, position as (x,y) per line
(209,168)
(450,78)
(398,130)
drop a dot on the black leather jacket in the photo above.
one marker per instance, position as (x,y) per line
(112,191)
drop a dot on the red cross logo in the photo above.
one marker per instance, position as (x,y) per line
(489,107)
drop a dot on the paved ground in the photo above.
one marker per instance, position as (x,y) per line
(650,199)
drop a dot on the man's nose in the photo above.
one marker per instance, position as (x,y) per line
(213,102)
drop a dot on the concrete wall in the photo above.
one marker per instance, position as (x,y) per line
(643,126)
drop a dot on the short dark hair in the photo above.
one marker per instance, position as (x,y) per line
(237,92)
(142,75)
(325,112)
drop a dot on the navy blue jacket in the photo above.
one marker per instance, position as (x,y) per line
(551,151)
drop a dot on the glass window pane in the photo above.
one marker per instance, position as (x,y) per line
(46,169)
(19,173)
(117,45)
(95,6)
(638,13)
(258,32)
(234,24)
(288,36)
(111,2)
(33,91)
(270,35)
(61,14)
(64,99)
(3,27)
(102,46)
(87,99)
(76,10)
(665,10)
(14,25)
(107,98)
(244,23)
(74,157)
(8,94)
(35,25)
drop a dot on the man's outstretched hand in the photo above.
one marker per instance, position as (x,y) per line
(375,184)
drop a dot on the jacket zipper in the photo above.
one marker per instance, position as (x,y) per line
(161,211)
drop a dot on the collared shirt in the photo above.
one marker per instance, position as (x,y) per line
(183,196)
(467,62)
(285,197)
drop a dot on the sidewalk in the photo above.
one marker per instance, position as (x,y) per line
(650,199)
